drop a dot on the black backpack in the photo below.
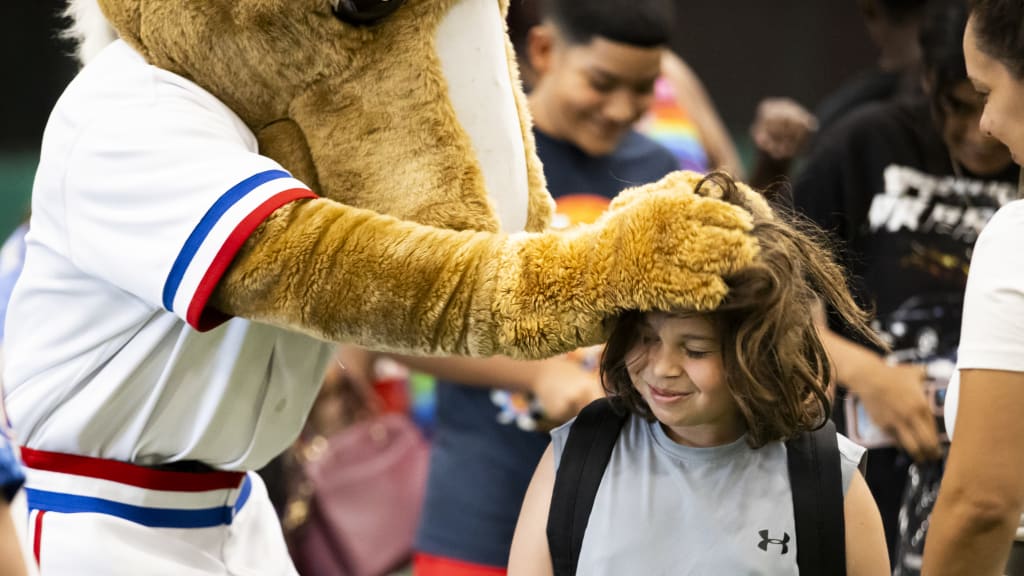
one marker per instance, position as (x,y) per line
(814,472)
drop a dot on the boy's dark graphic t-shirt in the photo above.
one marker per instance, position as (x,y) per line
(483,453)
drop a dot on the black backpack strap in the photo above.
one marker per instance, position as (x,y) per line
(816,478)
(588,448)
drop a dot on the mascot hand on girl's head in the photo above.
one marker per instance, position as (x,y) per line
(407,118)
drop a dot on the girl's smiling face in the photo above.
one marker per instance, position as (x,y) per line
(676,366)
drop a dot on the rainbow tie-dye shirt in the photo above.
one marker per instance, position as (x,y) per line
(671,126)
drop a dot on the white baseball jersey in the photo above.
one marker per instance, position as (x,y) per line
(147,187)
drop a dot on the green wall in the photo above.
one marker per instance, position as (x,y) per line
(16,173)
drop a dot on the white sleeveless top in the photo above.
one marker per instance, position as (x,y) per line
(664,508)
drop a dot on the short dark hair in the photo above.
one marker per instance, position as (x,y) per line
(645,23)
(941,38)
(775,364)
(999,26)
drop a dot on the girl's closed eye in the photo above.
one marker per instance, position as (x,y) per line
(697,354)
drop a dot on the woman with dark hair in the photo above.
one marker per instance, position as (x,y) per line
(982,496)
(699,468)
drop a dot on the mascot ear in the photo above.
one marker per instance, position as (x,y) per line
(364,12)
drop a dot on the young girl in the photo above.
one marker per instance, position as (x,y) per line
(698,481)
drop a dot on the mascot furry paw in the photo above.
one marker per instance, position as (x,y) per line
(346,170)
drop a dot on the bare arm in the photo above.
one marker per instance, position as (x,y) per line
(982,493)
(11,560)
(866,553)
(560,384)
(562,387)
(893,395)
(494,372)
(694,98)
(530,555)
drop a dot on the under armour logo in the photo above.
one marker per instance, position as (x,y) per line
(765,541)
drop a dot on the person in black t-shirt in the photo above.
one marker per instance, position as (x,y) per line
(905,188)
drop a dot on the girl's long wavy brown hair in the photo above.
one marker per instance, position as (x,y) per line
(774,362)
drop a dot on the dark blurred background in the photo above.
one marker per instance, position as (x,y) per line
(743,50)
(36,67)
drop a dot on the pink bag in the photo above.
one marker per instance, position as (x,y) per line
(364,491)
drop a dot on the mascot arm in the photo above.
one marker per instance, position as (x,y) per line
(346,274)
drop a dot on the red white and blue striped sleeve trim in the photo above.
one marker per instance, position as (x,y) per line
(215,241)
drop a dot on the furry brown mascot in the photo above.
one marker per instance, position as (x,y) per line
(355,170)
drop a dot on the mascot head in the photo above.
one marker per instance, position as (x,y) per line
(408,107)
